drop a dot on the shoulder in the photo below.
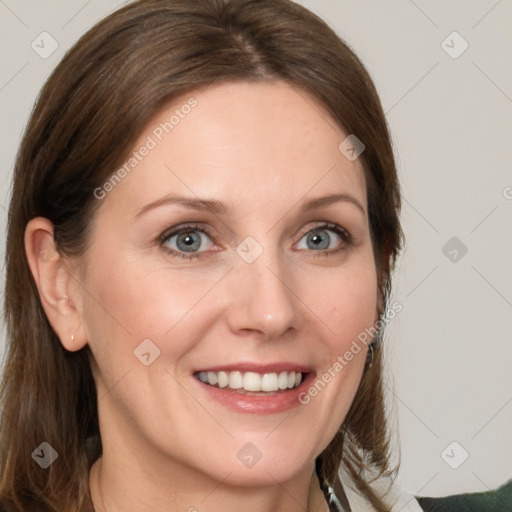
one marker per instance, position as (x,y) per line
(497,500)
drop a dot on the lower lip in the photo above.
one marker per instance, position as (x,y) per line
(257,404)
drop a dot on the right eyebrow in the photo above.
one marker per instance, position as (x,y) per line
(205,205)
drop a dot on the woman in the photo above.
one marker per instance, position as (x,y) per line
(202,228)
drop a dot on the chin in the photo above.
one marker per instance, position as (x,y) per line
(262,464)
(263,474)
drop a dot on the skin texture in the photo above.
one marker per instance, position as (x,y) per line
(263,149)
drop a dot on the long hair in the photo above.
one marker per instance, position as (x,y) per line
(84,122)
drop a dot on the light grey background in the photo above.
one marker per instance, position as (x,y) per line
(449,349)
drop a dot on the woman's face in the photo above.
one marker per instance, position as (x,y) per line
(235,250)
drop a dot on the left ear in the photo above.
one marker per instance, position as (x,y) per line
(59,290)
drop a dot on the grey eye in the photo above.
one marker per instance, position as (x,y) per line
(187,241)
(320,239)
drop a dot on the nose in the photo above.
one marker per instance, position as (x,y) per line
(263,299)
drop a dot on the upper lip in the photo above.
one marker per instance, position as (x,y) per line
(259,367)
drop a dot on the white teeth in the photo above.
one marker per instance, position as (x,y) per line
(223,379)
(269,382)
(236,380)
(252,381)
(283,380)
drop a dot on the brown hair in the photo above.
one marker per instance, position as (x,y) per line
(87,116)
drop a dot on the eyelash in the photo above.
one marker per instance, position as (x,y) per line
(166,236)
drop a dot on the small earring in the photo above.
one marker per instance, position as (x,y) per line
(72,337)
(369,355)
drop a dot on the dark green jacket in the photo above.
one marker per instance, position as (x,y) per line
(496,500)
(499,500)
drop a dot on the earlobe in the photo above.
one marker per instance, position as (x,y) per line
(52,275)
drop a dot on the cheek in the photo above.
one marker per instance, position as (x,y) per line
(345,302)
(352,312)
(345,310)
(132,301)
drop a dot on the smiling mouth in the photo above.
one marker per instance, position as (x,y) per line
(252,382)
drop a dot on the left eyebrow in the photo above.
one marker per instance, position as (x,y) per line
(318,202)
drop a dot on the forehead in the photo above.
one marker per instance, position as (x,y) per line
(243,141)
